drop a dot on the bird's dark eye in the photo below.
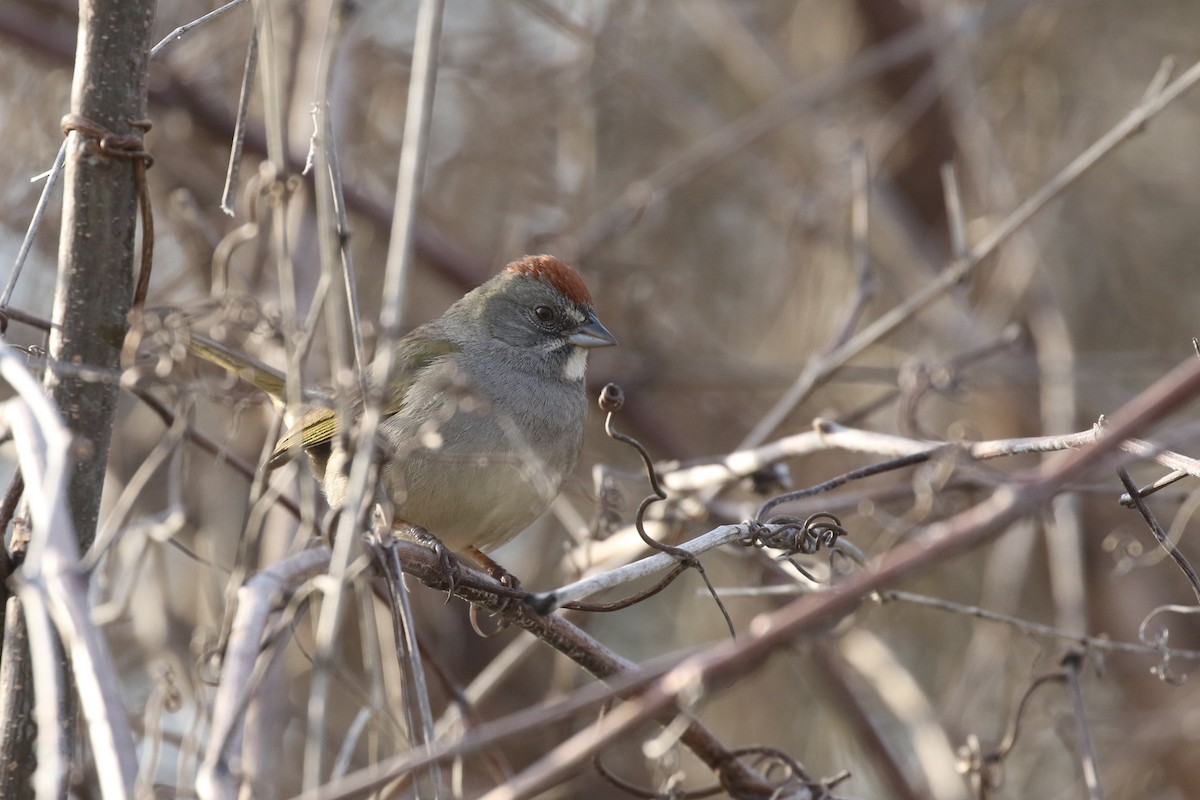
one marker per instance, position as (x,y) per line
(544,313)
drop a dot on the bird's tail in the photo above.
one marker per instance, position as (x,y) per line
(243,366)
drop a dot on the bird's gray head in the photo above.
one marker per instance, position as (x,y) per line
(539,305)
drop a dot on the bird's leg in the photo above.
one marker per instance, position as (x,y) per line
(496,570)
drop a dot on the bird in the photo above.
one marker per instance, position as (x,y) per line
(483,418)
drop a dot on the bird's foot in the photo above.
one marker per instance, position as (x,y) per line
(505,579)
(447,561)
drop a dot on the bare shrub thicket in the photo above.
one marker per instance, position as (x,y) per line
(905,294)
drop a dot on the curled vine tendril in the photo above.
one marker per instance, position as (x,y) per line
(795,536)
(612,399)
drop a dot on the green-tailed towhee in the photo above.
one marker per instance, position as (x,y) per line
(486,410)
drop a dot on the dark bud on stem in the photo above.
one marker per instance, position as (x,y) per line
(611,398)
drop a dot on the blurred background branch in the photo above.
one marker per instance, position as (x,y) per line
(819,230)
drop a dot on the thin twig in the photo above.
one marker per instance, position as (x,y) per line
(35,224)
(829,435)
(954,212)
(860,220)
(256,601)
(1087,752)
(1156,528)
(1097,643)
(410,654)
(8,509)
(639,569)
(114,524)
(238,140)
(1170,478)
(179,32)
(412,167)
(210,446)
(841,480)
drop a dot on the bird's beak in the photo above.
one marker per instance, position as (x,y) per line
(591,334)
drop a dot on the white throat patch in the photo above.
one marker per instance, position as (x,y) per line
(576,365)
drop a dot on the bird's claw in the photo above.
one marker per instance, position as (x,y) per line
(505,579)
(447,561)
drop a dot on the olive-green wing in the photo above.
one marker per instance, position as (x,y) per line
(314,428)
(320,425)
